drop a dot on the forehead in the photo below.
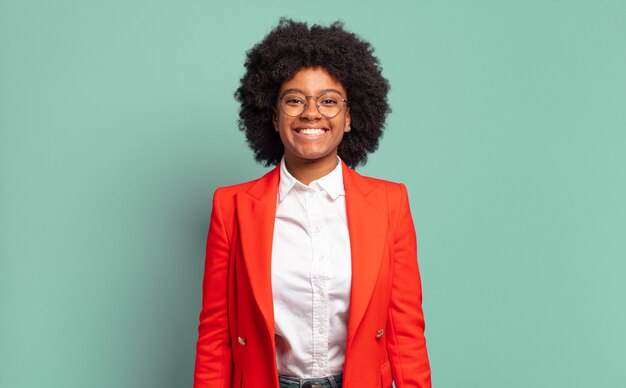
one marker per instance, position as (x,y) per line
(312,81)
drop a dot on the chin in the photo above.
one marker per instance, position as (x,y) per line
(313,155)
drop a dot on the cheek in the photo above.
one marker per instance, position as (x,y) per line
(281,125)
(283,128)
(341,122)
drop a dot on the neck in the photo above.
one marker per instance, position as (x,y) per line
(306,171)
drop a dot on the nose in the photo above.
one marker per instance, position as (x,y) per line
(311,112)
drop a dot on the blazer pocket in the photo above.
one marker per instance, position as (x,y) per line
(386,379)
(237,378)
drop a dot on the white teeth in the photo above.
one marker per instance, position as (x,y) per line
(311,131)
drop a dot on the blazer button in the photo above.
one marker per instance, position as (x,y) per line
(242,341)
(380,333)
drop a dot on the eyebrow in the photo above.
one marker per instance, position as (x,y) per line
(294,90)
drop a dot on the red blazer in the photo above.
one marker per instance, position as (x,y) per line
(385,343)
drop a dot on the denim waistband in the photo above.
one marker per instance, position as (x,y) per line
(333,381)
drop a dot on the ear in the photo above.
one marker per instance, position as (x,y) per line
(275,119)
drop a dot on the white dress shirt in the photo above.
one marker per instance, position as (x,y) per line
(311,275)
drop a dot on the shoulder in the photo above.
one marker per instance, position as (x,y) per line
(232,190)
(395,190)
(393,194)
(263,185)
(384,182)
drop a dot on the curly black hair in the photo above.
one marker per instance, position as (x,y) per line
(291,46)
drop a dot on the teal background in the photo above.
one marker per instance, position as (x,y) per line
(117,122)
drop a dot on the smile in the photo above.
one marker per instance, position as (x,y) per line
(311,131)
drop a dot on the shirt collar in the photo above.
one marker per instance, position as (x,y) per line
(331,183)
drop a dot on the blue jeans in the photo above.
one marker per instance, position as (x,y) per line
(324,382)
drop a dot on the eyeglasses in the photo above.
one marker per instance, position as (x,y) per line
(328,104)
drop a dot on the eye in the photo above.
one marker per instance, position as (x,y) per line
(329,100)
(291,99)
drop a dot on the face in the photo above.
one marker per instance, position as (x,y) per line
(311,137)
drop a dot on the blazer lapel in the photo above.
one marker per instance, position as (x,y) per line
(366,208)
(256,210)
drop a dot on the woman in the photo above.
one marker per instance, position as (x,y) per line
(311,276)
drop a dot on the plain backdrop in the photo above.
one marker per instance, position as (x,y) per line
(117,122)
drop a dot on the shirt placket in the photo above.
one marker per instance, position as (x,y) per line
(319,283)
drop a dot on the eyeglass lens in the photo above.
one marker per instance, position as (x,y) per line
(329,104)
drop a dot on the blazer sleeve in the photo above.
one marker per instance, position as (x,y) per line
(406,344)
(213,367)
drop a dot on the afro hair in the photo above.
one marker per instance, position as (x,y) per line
(291,46)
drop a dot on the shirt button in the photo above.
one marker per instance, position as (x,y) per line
(309,194)
(320,330)
(317,229)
